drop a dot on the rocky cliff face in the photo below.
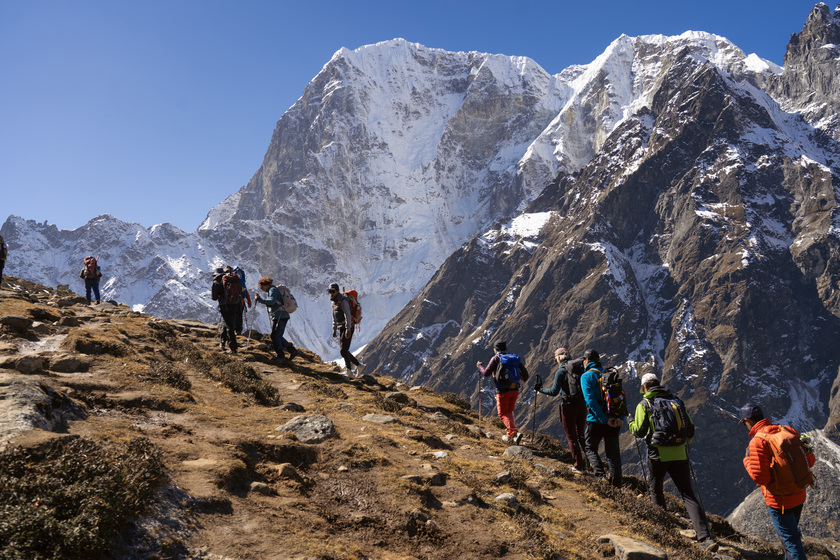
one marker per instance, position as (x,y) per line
(697,243)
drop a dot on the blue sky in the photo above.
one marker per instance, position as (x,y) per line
(155,111)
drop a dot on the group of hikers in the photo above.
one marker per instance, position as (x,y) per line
(230,291)
(593,407)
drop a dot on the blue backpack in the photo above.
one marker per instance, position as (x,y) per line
(508,373)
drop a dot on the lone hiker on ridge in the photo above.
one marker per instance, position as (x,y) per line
(91,274)
(279,317)
(599,426)
(572,405)
(3,252)
(666,451)
(343,325)
(784,504)
(506,377)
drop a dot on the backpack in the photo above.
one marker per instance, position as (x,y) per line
(574,369)
(671,425)
(508,374)
(90,269)
(233,289)
(355,307)
(241,273)
(791,472)
(613,397)
(289,301)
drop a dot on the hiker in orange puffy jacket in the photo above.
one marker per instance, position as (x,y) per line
(785,510)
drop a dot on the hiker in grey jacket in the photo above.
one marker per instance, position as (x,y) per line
(343,328)
(279,318)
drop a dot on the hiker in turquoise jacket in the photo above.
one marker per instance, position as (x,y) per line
(279,317)
(668,459)
(599,426)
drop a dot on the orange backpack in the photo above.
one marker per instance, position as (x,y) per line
(791,472)
(355,307)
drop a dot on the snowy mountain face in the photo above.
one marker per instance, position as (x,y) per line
(699,242)
(393,157)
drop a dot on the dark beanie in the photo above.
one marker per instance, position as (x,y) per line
(501,346)
(592,356)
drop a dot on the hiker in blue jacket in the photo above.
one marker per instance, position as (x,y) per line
(279,318)
(599,426)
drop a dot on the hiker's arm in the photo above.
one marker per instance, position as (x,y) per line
(555,387)
(490,368)
(639,426)
(757,461)
(348,317)
(272,299)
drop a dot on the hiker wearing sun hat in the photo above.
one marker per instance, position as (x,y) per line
(572,405)
(661,418)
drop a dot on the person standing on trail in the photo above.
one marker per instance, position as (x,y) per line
(507,371)
(342,324)
(227,290)
(3,252)
(662,420)
(279,318)
(599,426)
(572,405)
(783,486)
(91,274)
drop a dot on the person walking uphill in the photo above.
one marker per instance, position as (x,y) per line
(276,306)
(783,477)
(227,290)
(507,370)
(343,326)
(662,420)
(599,426)
(572,405)
(91,274)
(3,253)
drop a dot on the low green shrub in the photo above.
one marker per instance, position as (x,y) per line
(72,497)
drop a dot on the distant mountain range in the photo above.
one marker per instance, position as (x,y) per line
(672,204)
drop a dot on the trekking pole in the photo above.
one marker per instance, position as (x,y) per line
(538,381)
(691,467)
(479,391)
(644,470)
(250,326)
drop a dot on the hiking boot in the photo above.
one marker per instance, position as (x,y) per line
(360,369)
(505,438)
(574,469)
(517,438)
(293,354)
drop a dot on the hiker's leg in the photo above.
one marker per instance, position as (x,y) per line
(349,359)
(505,403)
(593,434)
(229,318)
(276,335)
(88,286)
(657,471)
(96,290)
(787,526)
(568,415)
(282,336)
(680,472)
(612,449)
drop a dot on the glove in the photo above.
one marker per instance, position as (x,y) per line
(806,443)
(537,386)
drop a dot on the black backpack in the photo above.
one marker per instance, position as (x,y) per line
(671,425)
(574,369)
(233,289)
(613,397)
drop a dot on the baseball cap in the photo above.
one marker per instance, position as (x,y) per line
(333,287)
(561,352)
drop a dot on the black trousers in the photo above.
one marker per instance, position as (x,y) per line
(228,334)
(680,473)
(595,432)
(349,359)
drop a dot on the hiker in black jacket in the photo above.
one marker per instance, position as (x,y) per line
(3,252)
(572,404)
(230,310)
